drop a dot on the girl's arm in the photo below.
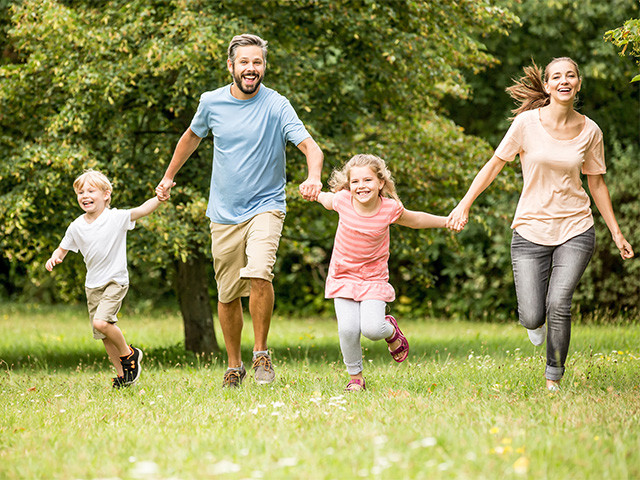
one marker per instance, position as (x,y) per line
(459,216)
(57,258)
(145,209)
(601,197)
(326,199)
(413,219)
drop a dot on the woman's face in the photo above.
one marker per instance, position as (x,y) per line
(563,82)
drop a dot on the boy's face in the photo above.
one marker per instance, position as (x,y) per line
(91,199)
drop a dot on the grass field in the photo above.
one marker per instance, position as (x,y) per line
(468,404)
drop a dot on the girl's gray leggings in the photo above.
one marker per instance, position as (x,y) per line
(355,318)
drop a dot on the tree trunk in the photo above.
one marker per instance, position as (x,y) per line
(193,296)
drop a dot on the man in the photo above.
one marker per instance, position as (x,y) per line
(251,125)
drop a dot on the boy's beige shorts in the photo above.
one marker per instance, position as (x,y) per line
(104,303)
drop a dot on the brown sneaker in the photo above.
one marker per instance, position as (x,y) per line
(233,377)
(263,367)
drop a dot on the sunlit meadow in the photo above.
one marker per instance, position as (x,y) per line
(468,404)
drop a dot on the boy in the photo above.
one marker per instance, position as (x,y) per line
(101,236)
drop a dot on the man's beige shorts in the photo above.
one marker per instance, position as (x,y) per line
(104,303)
(245,251)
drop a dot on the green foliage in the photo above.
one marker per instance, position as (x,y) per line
(112,86)
(121,81)
(625,36)
(609,281)
(548,29)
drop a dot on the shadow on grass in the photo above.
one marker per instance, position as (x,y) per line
(45,358)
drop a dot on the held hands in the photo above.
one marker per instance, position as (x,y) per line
(457,219)
(163,190)
(310,189)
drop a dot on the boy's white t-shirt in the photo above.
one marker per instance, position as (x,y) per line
(103,244)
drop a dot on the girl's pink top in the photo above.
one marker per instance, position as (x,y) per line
(359,262)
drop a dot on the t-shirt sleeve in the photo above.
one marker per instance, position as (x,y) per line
(123,219)
(68,242)
(339,200)
(396,211)
(511,144)
(594,156)
(200,122)
(292,127)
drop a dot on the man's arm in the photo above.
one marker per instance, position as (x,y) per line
(185,147)
(311,187)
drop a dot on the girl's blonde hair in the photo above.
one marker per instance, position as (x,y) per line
(340,179)
(528,91)
(95,179)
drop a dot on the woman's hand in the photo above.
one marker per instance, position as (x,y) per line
(458,218)
(626,252)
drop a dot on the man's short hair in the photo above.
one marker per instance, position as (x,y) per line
(246,40)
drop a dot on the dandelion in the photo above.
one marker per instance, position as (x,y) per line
(380,440)
(494,430)
(145,469)
(288,462)
(521,466)
(424,443)
(224,467)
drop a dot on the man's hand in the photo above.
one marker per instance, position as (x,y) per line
(310,189)
(163,190)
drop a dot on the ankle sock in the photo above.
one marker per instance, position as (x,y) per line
(260,352)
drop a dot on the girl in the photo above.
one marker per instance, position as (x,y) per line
(553,233)
(358,279)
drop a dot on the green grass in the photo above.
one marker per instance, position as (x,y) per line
(468,404)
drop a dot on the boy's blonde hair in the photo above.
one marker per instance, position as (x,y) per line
(340,179)
(95,179)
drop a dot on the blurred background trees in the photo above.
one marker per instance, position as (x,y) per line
(112,85)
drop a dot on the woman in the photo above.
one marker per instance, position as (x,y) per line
(553,233)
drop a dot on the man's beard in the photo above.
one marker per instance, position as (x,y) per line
(249,89)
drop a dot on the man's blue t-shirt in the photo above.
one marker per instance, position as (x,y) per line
(249,140)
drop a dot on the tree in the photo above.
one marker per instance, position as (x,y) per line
(625,36)
(112,86)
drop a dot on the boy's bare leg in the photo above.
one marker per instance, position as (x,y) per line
(115,343)
(231,322)
(114,356)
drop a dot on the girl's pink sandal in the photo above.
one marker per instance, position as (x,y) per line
(355,385)
(404,344)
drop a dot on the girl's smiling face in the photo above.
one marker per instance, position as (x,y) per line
(91,199)
(365,186)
